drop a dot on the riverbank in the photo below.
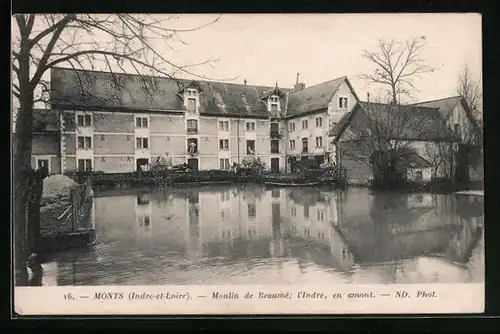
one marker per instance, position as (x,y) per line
(65,214)
(205,177)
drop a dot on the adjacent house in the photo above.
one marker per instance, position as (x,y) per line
(311,113)
(459,117)
(420,136)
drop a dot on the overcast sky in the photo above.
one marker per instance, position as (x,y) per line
(269,48)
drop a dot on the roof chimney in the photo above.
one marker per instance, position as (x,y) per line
(245,82)
(367,97)
(298,85)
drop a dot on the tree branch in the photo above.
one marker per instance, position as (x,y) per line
(50,46)
(52,28)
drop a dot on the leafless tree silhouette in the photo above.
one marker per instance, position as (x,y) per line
(470,89)
(397,64)
(83,41)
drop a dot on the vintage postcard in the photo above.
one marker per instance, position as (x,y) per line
(247,164)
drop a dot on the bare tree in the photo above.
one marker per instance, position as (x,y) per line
(470,89)
(441,156)
(111,41)
(397,64)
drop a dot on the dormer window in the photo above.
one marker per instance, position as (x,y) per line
(191,95)
(274,103)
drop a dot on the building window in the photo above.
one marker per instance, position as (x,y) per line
(84,143)
(224,164)
(252,210)
(305,147)
(192,126)
(274,130)
(191,105)
(141,143)
(418,175)
(292,144)
(304,124)
(456,127)
(343,103)
(250,147)
(43,164)
(84,165)
(250,126)
(141,122)
(192,145)
(274,99)
(274,103)
(224,144)
(291,127)
(319,142)
(223,125)
(319,122)
(84,120)
(294,211)
(275,146)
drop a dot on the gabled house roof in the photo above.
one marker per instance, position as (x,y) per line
(448,104)
(100,90)
(315,97)
(394,123)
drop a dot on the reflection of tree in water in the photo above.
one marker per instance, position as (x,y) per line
(396,232)
(470,214)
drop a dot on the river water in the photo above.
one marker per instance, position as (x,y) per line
(258,235)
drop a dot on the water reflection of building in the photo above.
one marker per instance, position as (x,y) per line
(343,231)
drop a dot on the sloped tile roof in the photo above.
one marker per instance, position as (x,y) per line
(395,123)
(446,107)
(313,98)
(118,90)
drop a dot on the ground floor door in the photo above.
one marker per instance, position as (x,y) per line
(193,163)
(141,163)
(275,165)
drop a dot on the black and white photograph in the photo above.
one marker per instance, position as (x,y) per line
(247,149)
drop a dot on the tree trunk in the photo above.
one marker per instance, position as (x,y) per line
(34,210)
(22,165)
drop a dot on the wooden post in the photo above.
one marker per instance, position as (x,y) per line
(74,202)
